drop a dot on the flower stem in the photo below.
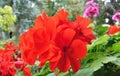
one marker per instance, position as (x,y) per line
(70,73)
(56,72)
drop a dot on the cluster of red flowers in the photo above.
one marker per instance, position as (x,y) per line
(10,61)
(57,40)
(113,29)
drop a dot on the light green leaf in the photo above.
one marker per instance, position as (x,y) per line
(116,62)
(7,9)
(92,25)
(101,40)
(64,74)
(84,72)
(97,64)
(94,66)
(19,73)
(51,74)
(116,47)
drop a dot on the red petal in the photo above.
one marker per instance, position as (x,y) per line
(88,35)
(64,37)
(83,22)
(40,20)
(55,59)
(26,72)
(75,63)
(79,49)
(62,14)
(44,57)
(29,56)
(52,54)
(114,29)
(50,26)
(68,35)
(27,46)
(64,63)
(41,40)
(12,71)
(53,65)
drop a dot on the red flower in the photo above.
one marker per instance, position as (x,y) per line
(84,32)
(71,51)
(8,61)
(27,46)
(57,40)
(10,47)
(20,64)
(113,29)
(6,64)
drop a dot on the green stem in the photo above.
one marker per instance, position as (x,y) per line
(56,72)
(70,73)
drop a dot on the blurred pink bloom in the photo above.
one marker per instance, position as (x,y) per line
(91,3)
(91,12)
(116,16)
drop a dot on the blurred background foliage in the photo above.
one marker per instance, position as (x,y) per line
(27,10)
(20,16)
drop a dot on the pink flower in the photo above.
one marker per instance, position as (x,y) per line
(91,3)
(91,12)
(92,9)
(116,16)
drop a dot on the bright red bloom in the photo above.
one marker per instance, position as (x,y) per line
(71,50)
(113,29)
(27,43)
(20,64)
(84,32)
(57,40)
(8,61)
(10,47)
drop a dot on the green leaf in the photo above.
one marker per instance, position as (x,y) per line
(116,47)
(1,10)
(97,64)
(94,66)
(84,72)
(116,62)
(64,74)
(20,73)
(51,74)
(7,18)
(7,9)
(101,40)
(45,70)
(92,25)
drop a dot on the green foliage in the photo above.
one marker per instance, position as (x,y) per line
(100,29)
(101,40)
(97,64)
(116,47)
(103,51)
(7,18)
(43,71)
(20,73)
